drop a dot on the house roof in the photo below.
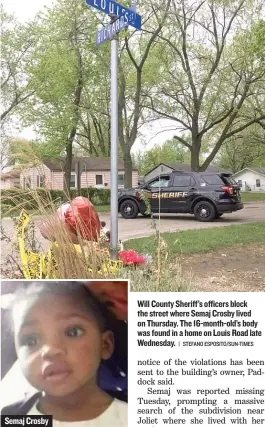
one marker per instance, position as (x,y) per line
(186,167)
(260,171)
(10,174)
(91,163)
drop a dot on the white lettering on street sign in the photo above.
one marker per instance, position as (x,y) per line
(112,8)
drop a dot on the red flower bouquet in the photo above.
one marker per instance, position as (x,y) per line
(131,257)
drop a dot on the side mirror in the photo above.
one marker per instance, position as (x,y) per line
(147,187)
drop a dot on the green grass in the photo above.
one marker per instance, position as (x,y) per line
(253,197)
(14,212)
(7,211)
(103,208)
(203,240)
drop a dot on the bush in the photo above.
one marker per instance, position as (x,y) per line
(28,199)
(97,196)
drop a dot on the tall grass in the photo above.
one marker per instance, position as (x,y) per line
(86,262)
(91,260)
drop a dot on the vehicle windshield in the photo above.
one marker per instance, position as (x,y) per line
(160,182)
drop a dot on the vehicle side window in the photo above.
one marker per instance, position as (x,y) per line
(159,182)
(213,179)
(183,181)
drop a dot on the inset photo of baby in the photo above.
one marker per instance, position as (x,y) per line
(64,351)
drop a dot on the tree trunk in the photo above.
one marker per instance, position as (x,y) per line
(128,168)
(68,165)
(71,137)
(195,156)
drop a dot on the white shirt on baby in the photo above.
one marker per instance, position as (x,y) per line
(116,415)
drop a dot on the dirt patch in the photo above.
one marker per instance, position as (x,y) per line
(237,269)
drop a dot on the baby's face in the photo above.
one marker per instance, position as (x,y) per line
(59,344)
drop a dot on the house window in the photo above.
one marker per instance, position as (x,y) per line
(99,179)
(121,179)
(239,182)
(40,181)
(27,182)
(73,183)
(257,182)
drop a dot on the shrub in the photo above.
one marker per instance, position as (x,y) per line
(28,199)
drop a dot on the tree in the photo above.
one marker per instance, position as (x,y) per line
(169,152)
(64,52)
(16,55)
(242,151)
(5,154)
(134,75)
(212,74)
(16,86)
(71,82)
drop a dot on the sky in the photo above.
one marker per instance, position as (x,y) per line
(151,134)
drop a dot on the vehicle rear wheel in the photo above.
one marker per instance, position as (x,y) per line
(129,209)
(204,211)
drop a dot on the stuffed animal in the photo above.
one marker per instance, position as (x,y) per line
(80,219)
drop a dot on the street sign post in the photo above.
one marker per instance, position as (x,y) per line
(114,149)
(108,32)
(121,17)
(115,9)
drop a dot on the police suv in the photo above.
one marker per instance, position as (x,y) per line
(205,195)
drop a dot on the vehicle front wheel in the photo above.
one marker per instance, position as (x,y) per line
(204,211)
(129,209)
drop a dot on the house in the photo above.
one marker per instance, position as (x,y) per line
(94,171)
(183,167)
(252,179)
(10,179)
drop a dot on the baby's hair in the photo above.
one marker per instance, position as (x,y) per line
(75,290)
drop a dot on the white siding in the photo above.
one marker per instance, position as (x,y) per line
(88,179)
(32,174)
(249,178)
(135,179)
(57,180)
(8,183)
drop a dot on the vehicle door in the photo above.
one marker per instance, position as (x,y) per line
(157,189)
(182,191)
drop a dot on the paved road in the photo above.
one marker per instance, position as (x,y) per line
(140,227)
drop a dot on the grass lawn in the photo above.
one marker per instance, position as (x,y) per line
(103,208)
(14,212)
(8,212)
(253,197)
(203,240)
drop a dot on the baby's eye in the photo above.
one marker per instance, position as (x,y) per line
(74,331)
(29,341)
